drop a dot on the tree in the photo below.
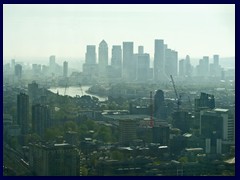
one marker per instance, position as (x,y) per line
(34,137)
(228,173)
(84,171)
(117,155)
(70,126)
(104,134)
(14,142)
(52,133)
(91,125)
(183,159)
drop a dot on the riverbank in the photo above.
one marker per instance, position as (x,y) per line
(74,91)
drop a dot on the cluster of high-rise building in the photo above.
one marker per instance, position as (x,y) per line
(18,71)
(216,125)
(206,69)
(125,64)
(154,122)
(131,66)
(165,139)
(58,159)
(33,103)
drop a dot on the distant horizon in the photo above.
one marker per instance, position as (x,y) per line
(80,60)
(40,30)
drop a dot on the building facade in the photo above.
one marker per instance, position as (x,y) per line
(127,128)
(129,65)
(23,112)
(52,64)
(102,57)
(90,67)
(18,71)
(65,69)
(171,62)
(54,160)
(143,65)
(41,119)
(159,60)
(205,101)
(217,129)
(116,60)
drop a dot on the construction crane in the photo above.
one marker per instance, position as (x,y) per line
(65,90)
(178,98)
(81,89)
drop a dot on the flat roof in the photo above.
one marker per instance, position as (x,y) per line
(62,144)
(221,110)
(125,148)
(230,161)
(162,147)
(126,116)
(187,135)
(194,149)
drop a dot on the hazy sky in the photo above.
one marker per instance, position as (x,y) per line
(65,30)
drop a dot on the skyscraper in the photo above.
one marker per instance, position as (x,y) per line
(90,56)
(23,112)
(215,68)
(185,67)
(206,65)
(140,49)
(12,66)
(171,62)
(182,67)
(203,67)
(205,101)
(217,127)
(54,160)
(18,71)
(174,63)
(102,56)
(33,92)
(65,69)
(129,67)
(159,104)
(36,68)
(143,65)
(90,66)
(181,120)
(216,60)
(40,119)
(127,128)
(159,59)
(116,60)
(52,64)
(188,66)
(160,133)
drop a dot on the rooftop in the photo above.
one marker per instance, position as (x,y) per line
(230,161)
(221,110)
(194,149)
(62,144)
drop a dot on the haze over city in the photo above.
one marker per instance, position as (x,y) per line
(36,31)
(119,90)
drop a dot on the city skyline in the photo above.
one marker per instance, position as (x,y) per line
(65,30)
(119,90)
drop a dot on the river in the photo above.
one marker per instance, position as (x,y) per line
(74,90)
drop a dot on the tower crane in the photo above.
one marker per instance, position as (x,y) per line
(177,96)
(81,89)
(65,90)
